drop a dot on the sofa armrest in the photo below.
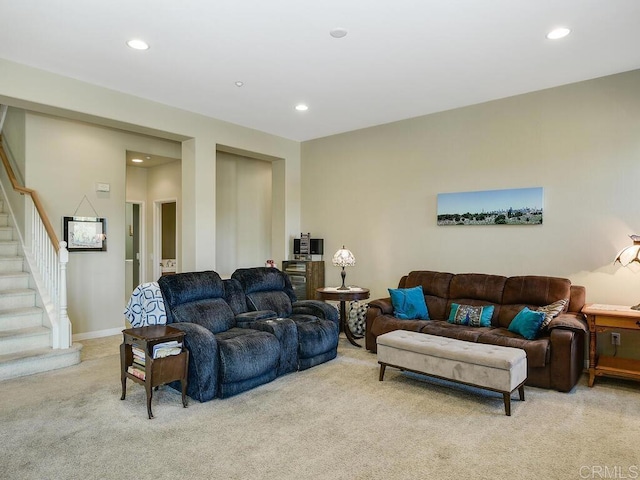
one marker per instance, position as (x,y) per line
(569,321)
(380,306)
(243,319)
(202,380)
(384,305)
(318,308)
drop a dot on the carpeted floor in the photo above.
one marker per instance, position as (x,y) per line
(335,421)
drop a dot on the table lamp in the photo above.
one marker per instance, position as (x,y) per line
(630,257)
(343,258)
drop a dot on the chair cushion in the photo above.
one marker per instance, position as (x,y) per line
(190,287)
(277,301)
(315,336)
(214,314)
(246,353)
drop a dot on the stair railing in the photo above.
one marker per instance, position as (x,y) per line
(47,258)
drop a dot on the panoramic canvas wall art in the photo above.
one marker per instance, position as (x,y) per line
(516,206)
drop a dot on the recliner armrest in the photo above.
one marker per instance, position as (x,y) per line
(316,307)
(202,345)
(243,319)
(569,321)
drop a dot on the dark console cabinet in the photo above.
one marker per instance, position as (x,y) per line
(305,277)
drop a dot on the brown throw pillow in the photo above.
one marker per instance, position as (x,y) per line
(551,311)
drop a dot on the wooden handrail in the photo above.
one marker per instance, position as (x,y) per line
(34,196)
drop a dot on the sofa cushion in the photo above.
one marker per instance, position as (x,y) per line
(538,350)
(388,323)
(442,328)
(435,287)
(408,303)
(477,286)
(527,323)
(530,291)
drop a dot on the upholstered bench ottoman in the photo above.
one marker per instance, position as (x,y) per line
(496,368)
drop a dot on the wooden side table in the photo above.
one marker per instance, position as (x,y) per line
(343,296)
(158,371)
(602,318)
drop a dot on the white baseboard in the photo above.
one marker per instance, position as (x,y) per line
(98,334)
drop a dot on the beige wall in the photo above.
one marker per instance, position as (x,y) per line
(65,160)
(243,212)
(375,190)
(40,91)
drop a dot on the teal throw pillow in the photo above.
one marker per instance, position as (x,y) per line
(527,323)
(408,303)
(474,316)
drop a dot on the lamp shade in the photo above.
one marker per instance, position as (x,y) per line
(630,255)
(344,258)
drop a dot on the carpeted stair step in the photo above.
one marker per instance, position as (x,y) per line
(17,298)
(6,233)
(11,263)
(4,219)
(23,339)
(38,360)
(24,317)
(8,248)
(13,280)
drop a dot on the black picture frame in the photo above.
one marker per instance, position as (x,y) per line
(85,234)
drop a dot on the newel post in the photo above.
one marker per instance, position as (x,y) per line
(64,336)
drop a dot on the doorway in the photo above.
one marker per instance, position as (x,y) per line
(133,246)
(165,237)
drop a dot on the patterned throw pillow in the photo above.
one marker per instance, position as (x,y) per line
(474,316)
(551,311)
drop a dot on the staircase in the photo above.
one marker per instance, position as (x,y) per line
(25,337)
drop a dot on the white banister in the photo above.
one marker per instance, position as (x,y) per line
(47,258)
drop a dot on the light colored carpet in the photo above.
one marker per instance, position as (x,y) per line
(335,421)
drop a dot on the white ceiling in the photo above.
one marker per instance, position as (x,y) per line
(400,59)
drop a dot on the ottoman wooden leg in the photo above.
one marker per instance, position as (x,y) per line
(382,367)
(521,392)
(507,403)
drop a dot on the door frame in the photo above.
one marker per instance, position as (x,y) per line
(157,236)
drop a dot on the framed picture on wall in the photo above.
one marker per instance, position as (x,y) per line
(85,234)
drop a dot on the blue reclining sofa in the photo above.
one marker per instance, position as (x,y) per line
(238,341)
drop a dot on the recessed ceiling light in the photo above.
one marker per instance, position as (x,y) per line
(338,32)
(558,33)
(302,107)
(138,44)
(239,84)
(137,160)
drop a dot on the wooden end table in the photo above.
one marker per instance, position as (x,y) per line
(602,318)
(158,371)
(343,296)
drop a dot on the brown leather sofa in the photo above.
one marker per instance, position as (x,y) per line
(555,358)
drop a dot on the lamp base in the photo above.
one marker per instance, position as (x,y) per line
(636,307)
(343,274)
